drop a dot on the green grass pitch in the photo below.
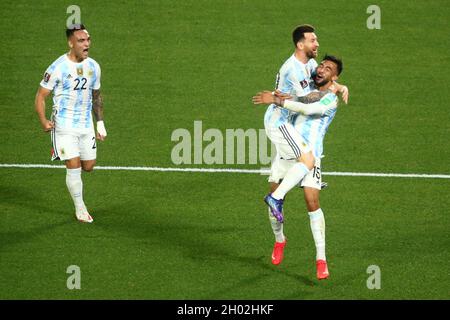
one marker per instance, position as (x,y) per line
(186,235)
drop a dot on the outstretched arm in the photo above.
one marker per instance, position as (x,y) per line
(314,108)
(313,96)
(309,109)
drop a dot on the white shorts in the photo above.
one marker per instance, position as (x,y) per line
(287,141)
(280,167)
(68,145)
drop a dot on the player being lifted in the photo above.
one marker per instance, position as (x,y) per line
(311,121)
(294,78)
(74,79)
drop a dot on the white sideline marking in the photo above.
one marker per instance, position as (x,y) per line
(258,171)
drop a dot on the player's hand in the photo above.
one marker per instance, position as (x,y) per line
(344,93)
(343,90)
(281,95)
(47,125)
(101,131)
(269,97)
(265,97)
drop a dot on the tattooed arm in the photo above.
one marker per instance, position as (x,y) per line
(97,108)
(97,105)
(313,96)
(315,108)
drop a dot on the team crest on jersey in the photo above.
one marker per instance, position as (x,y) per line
(80,71)
(304,83)
(46,77)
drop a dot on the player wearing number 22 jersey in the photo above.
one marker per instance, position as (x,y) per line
(74,79)
(72,84)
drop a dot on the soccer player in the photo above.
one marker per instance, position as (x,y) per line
(312,121)
(294,79)
(74,79)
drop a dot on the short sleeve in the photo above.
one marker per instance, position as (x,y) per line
(98,73)
(50,79)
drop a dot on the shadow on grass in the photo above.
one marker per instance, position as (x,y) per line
(200,241)
(12,238)
(35,209)
(266,269)
(34,200)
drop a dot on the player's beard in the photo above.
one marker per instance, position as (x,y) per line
(311,54)
(320,84)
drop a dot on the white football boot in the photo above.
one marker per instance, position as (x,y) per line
(84,216)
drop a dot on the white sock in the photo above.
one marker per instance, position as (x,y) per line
(277,228)
(317,222)
(75,186)
(294,175)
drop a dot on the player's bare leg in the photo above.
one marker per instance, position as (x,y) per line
(87,165)
(292,178)
(317,223)
(277,228)
(75,186)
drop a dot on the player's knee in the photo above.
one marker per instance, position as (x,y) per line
(312,205)
(87,167)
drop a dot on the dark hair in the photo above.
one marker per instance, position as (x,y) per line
(299,33)
(74,27)
(336,60)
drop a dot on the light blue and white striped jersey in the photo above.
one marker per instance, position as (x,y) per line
(72,84)
(293,78)
(314,127)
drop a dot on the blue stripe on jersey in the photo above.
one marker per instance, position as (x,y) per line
(320,134)
(305,129)
(284,115)
(269,113)
(56,63)
(77,108)
(62,111)
(300,74)
(65,95)
(323,128)
(94,73)
(287,85)
(88,113)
